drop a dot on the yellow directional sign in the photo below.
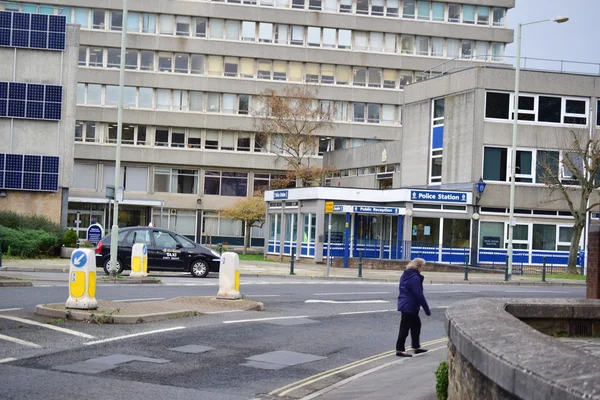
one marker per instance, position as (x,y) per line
(329,206)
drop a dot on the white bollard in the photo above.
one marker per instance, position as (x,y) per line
(229,277)
(139,260)
(82,280)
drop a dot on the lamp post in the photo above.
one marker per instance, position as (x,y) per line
(513,162)
(114,239)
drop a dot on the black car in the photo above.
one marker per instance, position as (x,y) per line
(167,251)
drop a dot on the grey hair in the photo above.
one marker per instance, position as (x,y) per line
(416,263)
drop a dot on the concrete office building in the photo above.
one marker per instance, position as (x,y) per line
(37,112)
(460,128)
(193,68)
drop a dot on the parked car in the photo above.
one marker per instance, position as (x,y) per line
(167,251)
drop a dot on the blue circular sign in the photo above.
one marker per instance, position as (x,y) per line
(78,258)
(144,249)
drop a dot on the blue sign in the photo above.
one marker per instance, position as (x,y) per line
(144,249)
(480,187)
(94,234)
(439,197)
(491,242)
(338,208)
(280,195)
(78,258)
(376,210)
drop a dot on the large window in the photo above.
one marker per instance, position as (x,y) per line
(226,183)
(169,180)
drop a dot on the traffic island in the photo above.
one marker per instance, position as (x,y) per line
(123,279)
(9,281)
(136,312)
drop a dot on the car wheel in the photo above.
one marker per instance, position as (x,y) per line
(106,266)
(199,268)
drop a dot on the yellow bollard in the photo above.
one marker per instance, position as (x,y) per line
(229,277)
(139,260)
(82,280)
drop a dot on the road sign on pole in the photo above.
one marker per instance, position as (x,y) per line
(329,207)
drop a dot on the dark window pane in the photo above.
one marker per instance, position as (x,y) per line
(546,169)
(494,164)
(212,185)
(544,237)
(234,186)
(575,107)
(549,109)
(526,103)
(497,105)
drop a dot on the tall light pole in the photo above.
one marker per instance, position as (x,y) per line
(114,239)
(513,158)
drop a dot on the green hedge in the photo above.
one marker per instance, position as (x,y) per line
(29,235)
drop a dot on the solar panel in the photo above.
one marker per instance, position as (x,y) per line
(49,182)
(29,172)
(17,90)
(38,31)
(53,111)
(14,162)
(5,19)
(34,110)
(30,100)
(5,37)
(54,93)
(56,41)
(31,181)
(3,106)
(39,22)
(3,90)
(16,108)
(21,20)
(13,180)
(50,164)
(20,38)
(35,92)
(58,23)
(32,163)
(39,40)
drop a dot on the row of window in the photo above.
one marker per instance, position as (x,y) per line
(406,9)
(193,138)
(526,236)
(200,64)
(537,108)
(382,169)
(172,180)
(225,103)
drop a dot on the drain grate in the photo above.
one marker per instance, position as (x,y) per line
(580,328)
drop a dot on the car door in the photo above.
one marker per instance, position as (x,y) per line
(166,251)
(135,236)
(188,251)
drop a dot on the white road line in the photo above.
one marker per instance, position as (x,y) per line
(19,341)
(335,294)
(132,300)
(48,326)
(5,360)
(134,335)
(364,312)
(10,309)
(262,295)
(440,307)
(224,312)
(453,291)
(262,319)
(347,302)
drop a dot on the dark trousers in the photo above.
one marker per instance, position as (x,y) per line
(412,323)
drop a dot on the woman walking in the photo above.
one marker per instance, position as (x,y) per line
(410,300)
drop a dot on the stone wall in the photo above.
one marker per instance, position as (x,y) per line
(34,203)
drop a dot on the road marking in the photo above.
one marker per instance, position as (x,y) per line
(134,335)
(48,326)
(364,312)
(224,312)
(132,300)
(19,341)
(347,302)
(336,294)
(5,360)
(282,391)
(360,375)
(262,295)
(10,309)
(262,319)
(440,307)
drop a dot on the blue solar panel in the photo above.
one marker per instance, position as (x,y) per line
(39,22)
(13,180)
(35,92)
(58,23)
(32,163)
(53,111)
(5,19)
(50,164)
(21,21)
(34,110)
(1,162)
(14,162)
(3,106)
(31,181)
(54,93)
(49,182)
(1,179)
(17,91)
(20,38)
(39,40)
(5,37)
(3,90)
(16,108)
(56,41)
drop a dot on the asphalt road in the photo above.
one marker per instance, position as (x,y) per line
(308,327)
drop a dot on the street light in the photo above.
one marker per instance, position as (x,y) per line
(513,162)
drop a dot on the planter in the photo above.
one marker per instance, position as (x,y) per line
(65,252)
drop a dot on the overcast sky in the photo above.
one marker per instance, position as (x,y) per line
(573,41)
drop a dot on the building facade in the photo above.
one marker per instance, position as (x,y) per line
(193,68)
(38,80)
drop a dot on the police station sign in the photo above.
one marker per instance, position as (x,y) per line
(438,197)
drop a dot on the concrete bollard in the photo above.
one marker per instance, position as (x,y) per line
(82,280)
(139,261)
(229,277)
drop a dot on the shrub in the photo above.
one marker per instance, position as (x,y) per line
(70,239)
(36,223)
(441,381)
(27,242)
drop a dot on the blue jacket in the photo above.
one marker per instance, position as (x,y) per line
(411,297)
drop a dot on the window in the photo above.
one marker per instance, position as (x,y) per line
(361,40)
(215,65)
(94,94)
(362,7)
(390,42)
(82,17)
(453,46)
(483,15)
(374,77)
(491,235)
(345,6)
(149,23)
(243,142)
(182,181)
(167,24)
(243,104)
(249,31)
(391,8)
(547,165)
(298,4)
(199,27)
(423,45)
(213,102)
(146,60)
(360,76)
(177,139)
(498,16)
(145,97)
(497,105)
(229,101)
(194,140)
(131,59)
(494,164)
(180,102)
(544,237)
(264,69)
(376,41)
(523,172)
(359,112)
(549,109)
(330,5)
(344,39)
(183,25)
(314,5)
(133,22)
(572,168)
(226,183)
(212,140)
(575,112)
(328,74)
(467,49)
(498,52)
(116,20)
(389,78)
(96,57)
(295,74)
(232,30)
(387,113)
(217,27)
(98,19)
(161,138)
(196,101)
(437,47)
(227,141)
(377,7)
(526,108)
(247,68)
(297,35)
(406,78)
(437,11)
(279,70)
(328,37)
(231,66)
(281,33)
(113,57)
(182,63)
(423,10)
(481,49)
(265,32)
(468,14)
(565,234)
(165,62)
(163,99)
(408,44)
(311,73)
(408,10)
(373,113)
(197,66)
(314,36)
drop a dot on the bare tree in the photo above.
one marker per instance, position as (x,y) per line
(573,173)
(293,119)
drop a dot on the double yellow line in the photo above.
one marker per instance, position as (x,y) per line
(282,391)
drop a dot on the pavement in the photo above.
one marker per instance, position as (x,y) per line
(389,380)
